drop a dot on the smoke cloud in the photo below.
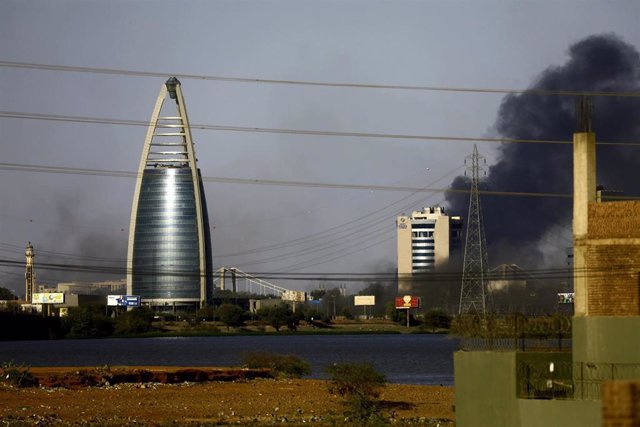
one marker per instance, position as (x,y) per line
(520,229)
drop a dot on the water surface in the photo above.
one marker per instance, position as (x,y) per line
(408,359)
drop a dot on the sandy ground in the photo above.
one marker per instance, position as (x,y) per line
(243,402)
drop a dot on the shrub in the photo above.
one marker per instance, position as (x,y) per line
(437,319)
(17,375)
(87,322)
(279,316)
(134,321)
(283,365)
(359,384)
(230,314)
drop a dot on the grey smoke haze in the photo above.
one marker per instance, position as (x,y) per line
(515,227)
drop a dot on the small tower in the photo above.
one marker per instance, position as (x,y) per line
(29,275)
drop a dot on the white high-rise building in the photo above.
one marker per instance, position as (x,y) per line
(425,241)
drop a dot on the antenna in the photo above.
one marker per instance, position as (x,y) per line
(474,271)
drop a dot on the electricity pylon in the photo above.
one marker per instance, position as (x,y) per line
(474,271)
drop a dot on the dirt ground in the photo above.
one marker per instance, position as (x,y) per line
(240,402)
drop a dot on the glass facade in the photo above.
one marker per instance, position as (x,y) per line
(166,262)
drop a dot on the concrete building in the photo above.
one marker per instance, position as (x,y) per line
(107,287)
(426,239)
(596,383)
(169,255)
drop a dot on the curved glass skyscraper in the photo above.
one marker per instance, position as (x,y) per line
(169,257)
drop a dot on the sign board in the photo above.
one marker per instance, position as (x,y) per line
(64,311)
(407,302)
(123,300)
(364,300)
(566,298)
(295,296)
(48,298)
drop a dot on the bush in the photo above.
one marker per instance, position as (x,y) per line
(230,314)
(359,384)
(437,319)
(312,315)
(279,316)
(17,375)
(134,321)
(87,322)
(282,365)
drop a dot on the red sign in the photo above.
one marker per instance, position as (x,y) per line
(407,302)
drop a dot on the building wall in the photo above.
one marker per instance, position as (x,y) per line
(486,394)
(612,256)
(611,220)
(485,384)
(621,404)
(600,339)
(613,277)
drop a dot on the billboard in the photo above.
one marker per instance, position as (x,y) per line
(407,302)
(48,298)
(123,300)
(364,300)
(295,296)
(566,298)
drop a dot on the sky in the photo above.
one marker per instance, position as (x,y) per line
(77,219)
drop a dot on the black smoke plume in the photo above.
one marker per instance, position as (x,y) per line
(517,227)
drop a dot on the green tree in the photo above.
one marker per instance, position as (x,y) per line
(279,316)
(313,315)
(395,315)
(437,319)
(7,295)
(383,293)
(134,321)
(230,315)
(206,313)
(87,322)
(359,384)
(317,294)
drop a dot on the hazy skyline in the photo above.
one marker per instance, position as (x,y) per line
(479,44)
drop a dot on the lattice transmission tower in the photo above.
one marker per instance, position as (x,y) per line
(475,266)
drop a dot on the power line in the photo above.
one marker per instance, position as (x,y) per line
(537,274)
(126,122)
(341,228)
(113,71)
(223,180)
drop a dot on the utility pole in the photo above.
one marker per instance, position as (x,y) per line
(474,271)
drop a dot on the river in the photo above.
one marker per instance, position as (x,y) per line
(405,358)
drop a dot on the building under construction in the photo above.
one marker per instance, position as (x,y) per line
(598,382)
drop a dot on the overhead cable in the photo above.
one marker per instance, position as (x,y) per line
(127,174)
(126,122)
(165,74)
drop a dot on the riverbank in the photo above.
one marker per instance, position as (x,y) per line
(337,327)
(242,402)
